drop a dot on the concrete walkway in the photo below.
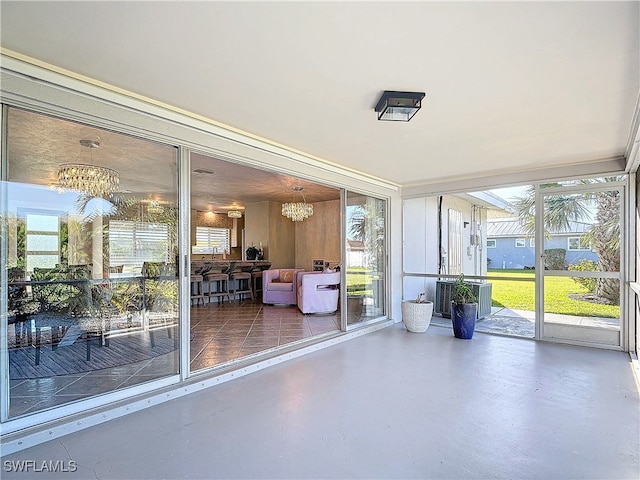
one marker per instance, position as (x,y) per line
(521,323)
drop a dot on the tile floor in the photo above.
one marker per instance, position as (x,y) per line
(220,333)
(225,332)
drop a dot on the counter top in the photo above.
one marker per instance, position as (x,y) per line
(224,266)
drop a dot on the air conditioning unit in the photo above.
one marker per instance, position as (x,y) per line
(482,292)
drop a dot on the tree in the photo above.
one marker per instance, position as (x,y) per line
(604,235)
(367,225)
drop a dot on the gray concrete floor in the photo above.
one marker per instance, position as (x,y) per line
(390,404)
(521,323)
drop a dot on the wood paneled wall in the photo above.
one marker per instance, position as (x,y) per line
(319,235)
(294,244)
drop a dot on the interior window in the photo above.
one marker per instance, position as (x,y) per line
(211,240)
(133,243)
(42,235)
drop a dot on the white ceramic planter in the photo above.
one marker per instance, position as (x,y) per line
(416,316)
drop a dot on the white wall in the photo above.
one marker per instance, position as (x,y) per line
(420,242)
(420,245)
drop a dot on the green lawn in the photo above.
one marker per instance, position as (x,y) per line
(358,279)
(519,295)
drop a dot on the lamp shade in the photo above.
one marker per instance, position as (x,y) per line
(398,106)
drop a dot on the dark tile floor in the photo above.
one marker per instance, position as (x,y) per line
(229,331)
(220,333)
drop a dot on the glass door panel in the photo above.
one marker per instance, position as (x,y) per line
(365,257)
(245,252)
(92,298)
(581,263)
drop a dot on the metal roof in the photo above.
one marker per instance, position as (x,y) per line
(511,227)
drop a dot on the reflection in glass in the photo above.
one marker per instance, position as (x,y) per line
(92,291)
(365,260)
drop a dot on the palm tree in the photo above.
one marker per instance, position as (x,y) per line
(367,225)
(561,210)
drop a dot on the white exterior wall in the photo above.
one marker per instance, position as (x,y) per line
(420,242)
(420,245)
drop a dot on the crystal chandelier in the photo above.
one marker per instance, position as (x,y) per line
(93,180)
(154,207)
(297,211)
(234,214)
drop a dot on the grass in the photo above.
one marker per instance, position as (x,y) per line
(519,295)
(516,295)
(358,279)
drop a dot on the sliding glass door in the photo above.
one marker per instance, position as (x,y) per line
(89,223)
(365,260)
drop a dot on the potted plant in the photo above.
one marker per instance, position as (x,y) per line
(416,314)
(464,308)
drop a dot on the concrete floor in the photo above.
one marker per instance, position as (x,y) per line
(521,323)
(390,404)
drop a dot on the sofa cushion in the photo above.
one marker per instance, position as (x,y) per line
(280,287)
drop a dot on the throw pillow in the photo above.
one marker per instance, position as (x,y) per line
(286,276)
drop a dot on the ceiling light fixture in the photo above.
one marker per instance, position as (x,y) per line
(297,211)
(398,106)
(154,207)
(234,214)
(91,179)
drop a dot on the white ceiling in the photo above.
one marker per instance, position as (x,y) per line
(38,144)
(510,86)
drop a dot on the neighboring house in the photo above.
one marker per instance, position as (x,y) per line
(355,253)
(508,246)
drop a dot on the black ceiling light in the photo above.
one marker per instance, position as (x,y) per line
(398,106)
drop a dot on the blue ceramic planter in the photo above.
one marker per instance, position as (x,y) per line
(463,318)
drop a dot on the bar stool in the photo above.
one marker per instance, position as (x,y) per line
(197,291)
(256,279)
(221,282)
(240,280)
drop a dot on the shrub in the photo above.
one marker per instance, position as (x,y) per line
(555,258)
(585,266)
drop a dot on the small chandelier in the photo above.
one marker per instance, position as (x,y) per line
(234,214)
(297,211)
(93,180)
(154,207)
(398,106)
